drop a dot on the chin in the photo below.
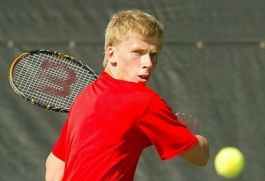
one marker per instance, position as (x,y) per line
(143,83)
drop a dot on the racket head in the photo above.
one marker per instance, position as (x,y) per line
(49,79)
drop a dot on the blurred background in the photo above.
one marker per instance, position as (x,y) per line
(212,66)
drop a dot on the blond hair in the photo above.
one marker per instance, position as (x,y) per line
(131,22)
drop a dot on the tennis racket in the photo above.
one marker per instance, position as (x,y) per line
(49,79)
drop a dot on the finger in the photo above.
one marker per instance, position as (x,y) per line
(179,116)
(187,117)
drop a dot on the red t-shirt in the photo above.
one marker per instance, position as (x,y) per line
(109,125)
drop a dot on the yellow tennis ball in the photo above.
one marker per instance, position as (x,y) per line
(229,162)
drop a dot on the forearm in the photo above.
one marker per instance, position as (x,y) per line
(203,150)
(199,154)
(54,168)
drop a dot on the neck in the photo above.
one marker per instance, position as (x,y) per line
(111,72)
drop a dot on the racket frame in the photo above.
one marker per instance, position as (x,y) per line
(49,52)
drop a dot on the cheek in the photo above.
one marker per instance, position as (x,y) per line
(154,65)
(128,61)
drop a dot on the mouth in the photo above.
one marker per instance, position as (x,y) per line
(143,78)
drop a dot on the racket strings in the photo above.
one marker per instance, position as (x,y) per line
(51,80)
(22,74)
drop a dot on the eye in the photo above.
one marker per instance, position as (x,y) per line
(154,56)
(137,52)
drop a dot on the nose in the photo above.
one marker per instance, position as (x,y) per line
(147,61)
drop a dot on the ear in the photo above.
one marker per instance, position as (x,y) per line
(110,53)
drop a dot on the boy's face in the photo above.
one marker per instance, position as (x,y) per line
(134,59)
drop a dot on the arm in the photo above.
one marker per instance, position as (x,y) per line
(200,153)
(54,168)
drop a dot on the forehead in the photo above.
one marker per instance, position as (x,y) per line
(142,42)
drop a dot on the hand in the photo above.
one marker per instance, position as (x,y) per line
(191,123)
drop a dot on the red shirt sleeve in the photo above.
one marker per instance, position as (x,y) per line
(60,145)
(164,131)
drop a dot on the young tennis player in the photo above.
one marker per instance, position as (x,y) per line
(115,118)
